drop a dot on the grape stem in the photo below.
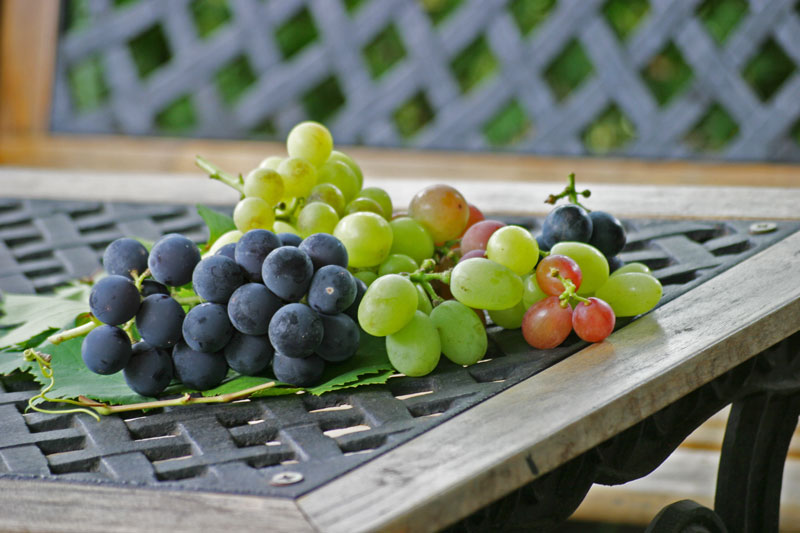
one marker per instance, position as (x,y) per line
(139,279)
(288,212)
(216,173)
(435,298)
(569,290)
(570,192)
(43,360)
(80,331)
(188,300)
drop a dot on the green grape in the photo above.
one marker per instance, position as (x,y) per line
(341,175)
(461,332)
(367,238)
(424,303)
(510,318)
(253,213)
(226,238)
(388,305)
(514,247)
(531,293)
(381,197)
(397,264)
(265,184)
(415,350)
(316,217)
(483,284)
(310,140)
(346,159)
(411,238)
(282,226)
(367,276)
(329,194)
(272,162)
(631,293)
(593,264)
(632,267)
(299,177)
(363,204)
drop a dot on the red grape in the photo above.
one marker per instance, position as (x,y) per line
(593,321)
(546,324)
(473,253)
(442,210)
(568,269)
(476,237)
(475,216)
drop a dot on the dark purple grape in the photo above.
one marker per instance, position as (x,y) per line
(124,255)
(614,263)
(198,370)
(160,320)
(543,243)
(106,350)
(608,234)
(149,370)
(114,300)
(173,259)
(300,372)
(340,338)
(251,307)
(207,328)
(150,287)
(324,249)
(568,222)
(333,289)
(216,277)
(249,354)
(361,288)
(251,250)
(290,239)
(229,250)
(287,272)
(295,330)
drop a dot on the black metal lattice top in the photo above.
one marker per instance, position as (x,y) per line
(241,447)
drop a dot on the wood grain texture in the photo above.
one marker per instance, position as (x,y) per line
(78,508)
(572,406)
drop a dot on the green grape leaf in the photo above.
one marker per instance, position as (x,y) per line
(32,316)
(218,224)
(11,361)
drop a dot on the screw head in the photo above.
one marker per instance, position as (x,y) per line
(763,227)
(286,478)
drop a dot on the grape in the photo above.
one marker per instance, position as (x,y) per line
(462,334)
(615,263)
(272,162)
(510,318)
(565,266)
(360,204)
(608,234)
(316,217)
(484,284)
(593,264)
(253,213)
(423,300)
(367,276)
(593,321)
(328,193)
(266,184)
(216,277)
(125,255)
(295,330)
(159,321)
(229,237)
(251,307)
(281,226)
(299,177)
(415,349)
(173,259)
(388,305)
(150,287)
(543,243)
(531,293)
(513,247)
(324,249)
(473,253)
(289,239)
(106,350)
(114,300)
(252,249)
(568,222)
(340,174)
(340,338)
(198,370)
(632,267)
(361,288)
(546,324)
(149,370)
(248,354)
(207,327)
(332,290)
(477,236)
(367,238)
(229,251)
(300,372)
(411,238)
(287,272)
(310,140)
(631,293)
(346,159)
(475,216)
(379,196)
(441,210)
(396,264)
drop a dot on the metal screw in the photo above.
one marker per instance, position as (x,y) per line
(763,227)
(286,478)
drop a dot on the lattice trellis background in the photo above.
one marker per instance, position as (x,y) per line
(657,78)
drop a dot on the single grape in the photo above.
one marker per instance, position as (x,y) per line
(546,324)
(298,371)
(415,349)
(149,370)
(328,193)
(316,217)
(381,197)
(264,183)
(248,354)
(290,239)
(207,328)
(125,255)
(229,251)
(388,305)
(333,289)
(287,272)
(531,293)
(172,260)
(361,204)
(299,177)
(543,243)
(397,264)
(461,331)
(216,277)
(114,300)
(410,238)
(252,249)
(346,159)
(568,222)
(442,210)
(198,370)
(593,321)
(510,318)
(340,174)
(340,338)
(367,238)
(471,254)
(361,288)
(475,216)
(593,264)
(514,247)
(159,321)
(633,267)
(631,293)
(367,276)
(615,263)
(560,264)
(608,233)
(106,350)
(251,307)
(295,330)
(324,249)
(253,213)
(310,140)
(281,226)
(484,284)
(423,300)
(227,238)
(150,287)
(477,236)
(272,162)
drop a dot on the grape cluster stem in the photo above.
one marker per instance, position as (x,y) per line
(216,173)
(45,367)
(570,192)
(570,291)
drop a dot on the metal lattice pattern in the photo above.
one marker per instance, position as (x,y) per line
(446,83)
(241,447)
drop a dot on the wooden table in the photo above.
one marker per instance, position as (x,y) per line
(508,440)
